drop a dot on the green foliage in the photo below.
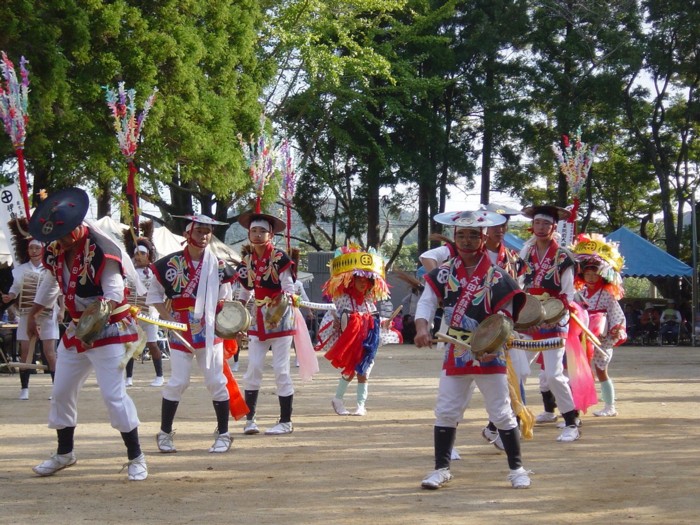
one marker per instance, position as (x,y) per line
(201,55)
(406,259)
(636,287)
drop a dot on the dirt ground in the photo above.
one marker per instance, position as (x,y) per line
(640,467)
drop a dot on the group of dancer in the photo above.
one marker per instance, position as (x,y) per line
(472,279)
(90,271)
(475,276)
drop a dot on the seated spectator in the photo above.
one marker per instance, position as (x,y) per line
(671,320)
(649,322)
(632,316)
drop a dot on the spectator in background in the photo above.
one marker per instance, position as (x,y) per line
(650,322)
(632,316)
(671,320)
(409,303)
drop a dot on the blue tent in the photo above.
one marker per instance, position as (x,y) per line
(643,259)
(513,242)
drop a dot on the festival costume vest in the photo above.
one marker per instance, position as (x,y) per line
(180,279)
(467,301)
(509,260)
(540,277)
(262,275)
(83,288)
(544,276)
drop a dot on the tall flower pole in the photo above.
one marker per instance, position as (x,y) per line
(128,127)
(261,156)
(14,96)
(575,160)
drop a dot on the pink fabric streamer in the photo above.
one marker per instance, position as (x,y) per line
(580,373)
(308,362)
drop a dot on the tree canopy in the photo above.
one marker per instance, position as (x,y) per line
(388,104)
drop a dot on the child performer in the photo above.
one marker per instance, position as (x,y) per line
(599,288)
(351,332)
(144,254)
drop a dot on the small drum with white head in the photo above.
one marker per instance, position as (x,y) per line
(491,334)
(232,319)
(531,314)
(92,321)
(554,310)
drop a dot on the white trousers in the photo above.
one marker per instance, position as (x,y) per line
(454,394)
(257,349)
(73,368)
(181,370)
(554,379)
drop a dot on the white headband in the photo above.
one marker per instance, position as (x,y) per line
(141,248)
(260,223)
(544,217)
(38,243)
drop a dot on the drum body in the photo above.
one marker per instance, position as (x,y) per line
(92,321)
(491,334)
(554,310)
(232,319)
(531,314)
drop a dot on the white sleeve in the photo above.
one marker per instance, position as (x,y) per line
(244,294)
(439,254)
(567,284)
(225,291)
(48,291)
(112,282)
(17,274)
(156,292)
(287,282)
(427,304)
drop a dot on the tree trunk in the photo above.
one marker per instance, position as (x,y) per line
(373,205)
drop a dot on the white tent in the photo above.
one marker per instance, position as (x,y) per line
(167,242)
(115,230)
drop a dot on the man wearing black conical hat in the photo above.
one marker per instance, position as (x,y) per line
(89,269)
(266,274)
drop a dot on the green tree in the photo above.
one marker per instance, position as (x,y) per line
(202,56)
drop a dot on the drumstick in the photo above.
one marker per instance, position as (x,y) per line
(184,341)
(449,339)
(395,313)
(23,366)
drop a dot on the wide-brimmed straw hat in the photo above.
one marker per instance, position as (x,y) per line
(202,219)
(470,219)
(501,209)
(557,213)
(246,218)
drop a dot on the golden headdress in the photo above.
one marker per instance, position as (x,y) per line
(595,250)
(350,261)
